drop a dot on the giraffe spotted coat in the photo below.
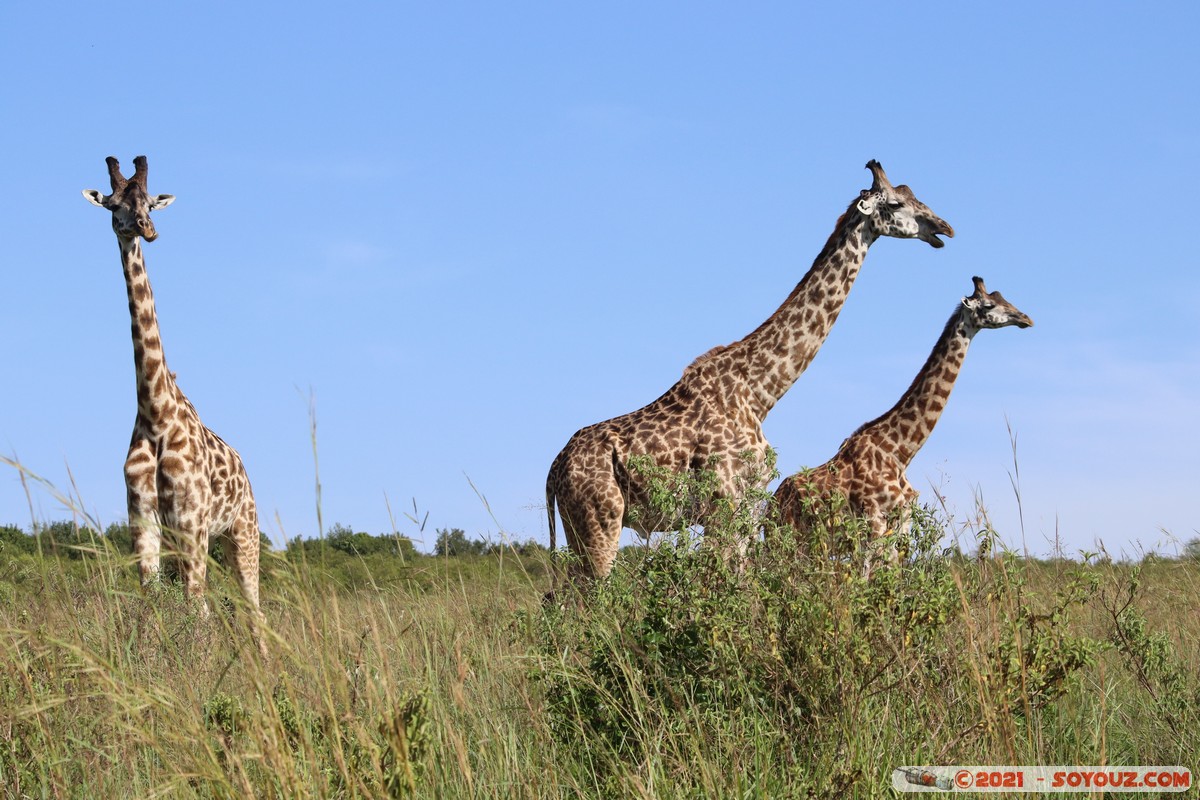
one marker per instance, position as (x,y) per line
(712,417)
(867,477)
(183,483)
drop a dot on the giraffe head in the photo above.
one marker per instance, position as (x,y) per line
(129,202)
(985,309)
(895,211)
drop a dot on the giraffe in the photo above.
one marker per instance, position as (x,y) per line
(868,472)
(182,481)
(711,419)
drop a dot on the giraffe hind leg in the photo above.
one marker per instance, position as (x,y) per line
(593,532)
(241,547)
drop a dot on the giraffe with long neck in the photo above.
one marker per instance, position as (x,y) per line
(711,419)
(868,473)
(182,481)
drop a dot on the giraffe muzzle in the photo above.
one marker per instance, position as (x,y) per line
(934,228)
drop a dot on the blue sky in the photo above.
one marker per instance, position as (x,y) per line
(466,231)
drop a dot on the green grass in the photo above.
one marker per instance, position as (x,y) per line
(681,676)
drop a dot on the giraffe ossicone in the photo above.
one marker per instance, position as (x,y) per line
(866,478)
(183,483)
(712,417)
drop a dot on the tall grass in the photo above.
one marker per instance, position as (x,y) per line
(685,674)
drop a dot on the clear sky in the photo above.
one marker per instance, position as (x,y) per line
(467,230)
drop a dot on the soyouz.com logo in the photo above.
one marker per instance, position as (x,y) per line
(985,779)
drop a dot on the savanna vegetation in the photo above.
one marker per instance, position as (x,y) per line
(686,674)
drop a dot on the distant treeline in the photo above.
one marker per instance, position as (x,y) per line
(68,539)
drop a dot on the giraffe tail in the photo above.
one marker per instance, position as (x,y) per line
(548,597)
(550,501)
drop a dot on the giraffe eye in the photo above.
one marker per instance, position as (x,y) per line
(894,204)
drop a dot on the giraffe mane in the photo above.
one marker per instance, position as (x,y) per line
(704,357)
(833,241)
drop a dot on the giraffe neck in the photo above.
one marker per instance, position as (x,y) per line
(775,354)
(905,428)
(155,385)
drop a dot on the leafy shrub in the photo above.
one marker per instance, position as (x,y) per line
(14,540)
(684,639)
(1151,657)
(344,539)
(1191,550)
(454,542)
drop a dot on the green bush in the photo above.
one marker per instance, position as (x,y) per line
(454,542)
(14,540)
(344,539)
(743,659)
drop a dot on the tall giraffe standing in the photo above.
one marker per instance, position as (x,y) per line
(868,472)
(182,480)
(711,419)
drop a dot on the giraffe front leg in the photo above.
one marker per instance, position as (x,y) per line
(736,522)
(904,520)
(145,526)
(879,529)
(194,564)
(187,502)
(788,509)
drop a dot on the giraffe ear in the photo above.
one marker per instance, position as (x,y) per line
(94,197)
(866,204)
(161,201)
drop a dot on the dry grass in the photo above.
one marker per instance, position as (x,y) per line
(448,682)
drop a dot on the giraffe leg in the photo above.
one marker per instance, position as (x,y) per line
(738,480)
(786,509)
(904,518)
(879,530)
(596,541)
(193,563)
(737,552)
(145,528)
(592,521)
(241,546)
(904,522)
(187,522)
